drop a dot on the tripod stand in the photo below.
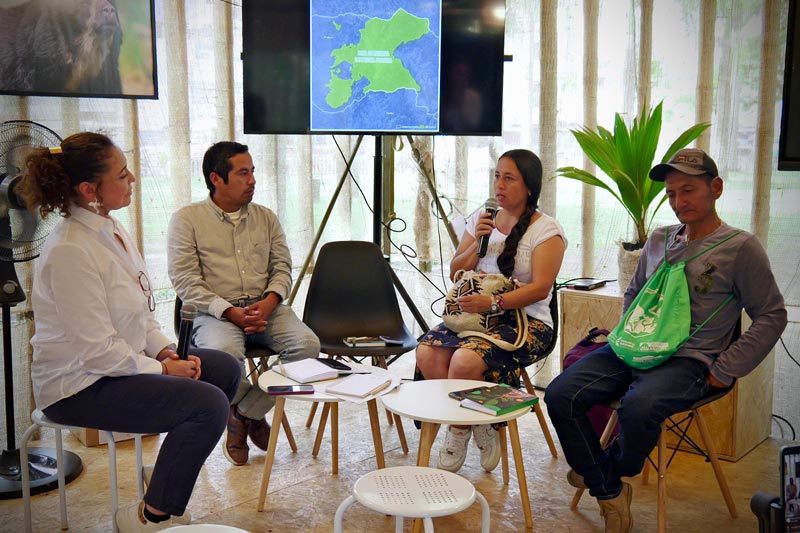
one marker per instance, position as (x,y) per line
(377,223)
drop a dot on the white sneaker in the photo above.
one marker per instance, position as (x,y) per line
(488,441)
(186,518)
(454,450)
(130,519)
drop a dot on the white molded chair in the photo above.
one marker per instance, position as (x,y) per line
(40,420)
(413,492)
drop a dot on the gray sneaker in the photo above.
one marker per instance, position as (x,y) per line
(454,450)
(488,441)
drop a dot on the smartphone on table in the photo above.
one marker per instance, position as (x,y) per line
(281,390)
(790,487)
(336,365)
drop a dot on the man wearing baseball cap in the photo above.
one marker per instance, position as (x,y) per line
(709,359)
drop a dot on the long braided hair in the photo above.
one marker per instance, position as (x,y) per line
(530,167)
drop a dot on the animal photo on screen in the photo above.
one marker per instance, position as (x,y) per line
(67,47)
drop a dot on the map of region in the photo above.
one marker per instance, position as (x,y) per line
(375,65)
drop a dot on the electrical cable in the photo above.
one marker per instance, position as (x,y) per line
(794,435)
(405,250)
(787,351)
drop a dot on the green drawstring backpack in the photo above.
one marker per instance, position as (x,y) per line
(658,320)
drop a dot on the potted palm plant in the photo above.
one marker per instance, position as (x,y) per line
(626,156)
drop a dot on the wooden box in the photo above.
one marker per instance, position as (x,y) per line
(94,437)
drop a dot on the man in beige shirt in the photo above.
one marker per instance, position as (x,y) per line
(229,258)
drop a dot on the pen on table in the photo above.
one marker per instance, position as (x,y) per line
(280,365)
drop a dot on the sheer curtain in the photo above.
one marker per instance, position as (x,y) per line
(574,62)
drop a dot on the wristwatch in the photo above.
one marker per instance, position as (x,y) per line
(494,308)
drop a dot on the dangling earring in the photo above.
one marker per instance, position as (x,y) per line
(96,205)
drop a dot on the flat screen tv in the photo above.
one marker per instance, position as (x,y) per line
(789,142)
(373,66)
(97,48)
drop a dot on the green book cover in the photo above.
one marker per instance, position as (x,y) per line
(495,400)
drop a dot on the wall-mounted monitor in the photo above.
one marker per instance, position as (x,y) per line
(789,142)
(97,48)
(373,66)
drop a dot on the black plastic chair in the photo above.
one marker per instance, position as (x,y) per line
(351,294)
(526,380)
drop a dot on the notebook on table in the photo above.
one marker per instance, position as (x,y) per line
(309,370)
(360,385)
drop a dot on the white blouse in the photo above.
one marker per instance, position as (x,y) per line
(541,230)
(91,313)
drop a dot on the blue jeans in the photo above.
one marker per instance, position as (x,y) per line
(286,334)
(192,413)
(648,398)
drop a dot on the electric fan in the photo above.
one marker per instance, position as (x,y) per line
(22,233)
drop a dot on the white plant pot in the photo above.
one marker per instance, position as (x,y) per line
(627,262)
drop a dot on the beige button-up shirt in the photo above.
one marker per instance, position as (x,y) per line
(213,262)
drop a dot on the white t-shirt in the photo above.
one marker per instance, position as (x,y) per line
(92,316)
(545,227)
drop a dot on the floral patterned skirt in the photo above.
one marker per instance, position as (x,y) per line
(504,367)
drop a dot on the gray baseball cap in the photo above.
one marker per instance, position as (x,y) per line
(692,161)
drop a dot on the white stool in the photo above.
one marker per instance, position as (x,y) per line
(40,420)
(413,492)
(204,528)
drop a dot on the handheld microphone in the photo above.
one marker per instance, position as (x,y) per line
(188,314)
(491,206)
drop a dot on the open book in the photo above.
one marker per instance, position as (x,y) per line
(494,400)
(360,385)
(308,370)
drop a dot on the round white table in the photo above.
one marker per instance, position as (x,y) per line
(428,402)
(330,404)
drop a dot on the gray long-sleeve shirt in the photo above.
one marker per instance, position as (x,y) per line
(740,267)
(213,261)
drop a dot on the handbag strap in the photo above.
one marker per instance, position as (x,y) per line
(519,342)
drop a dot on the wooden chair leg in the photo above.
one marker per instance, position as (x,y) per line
(504,453)
(334,437)
(526,380)
(252,373)
(311,414)
(605,438)
(323,419)
(401,434)
(711,451)
(380,362)
(289,435)
(662,481)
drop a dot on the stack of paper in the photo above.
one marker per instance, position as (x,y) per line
(360,385)
(306,370)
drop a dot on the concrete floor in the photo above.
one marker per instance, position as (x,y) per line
(303,495)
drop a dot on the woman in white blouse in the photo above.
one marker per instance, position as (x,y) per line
(100,359)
